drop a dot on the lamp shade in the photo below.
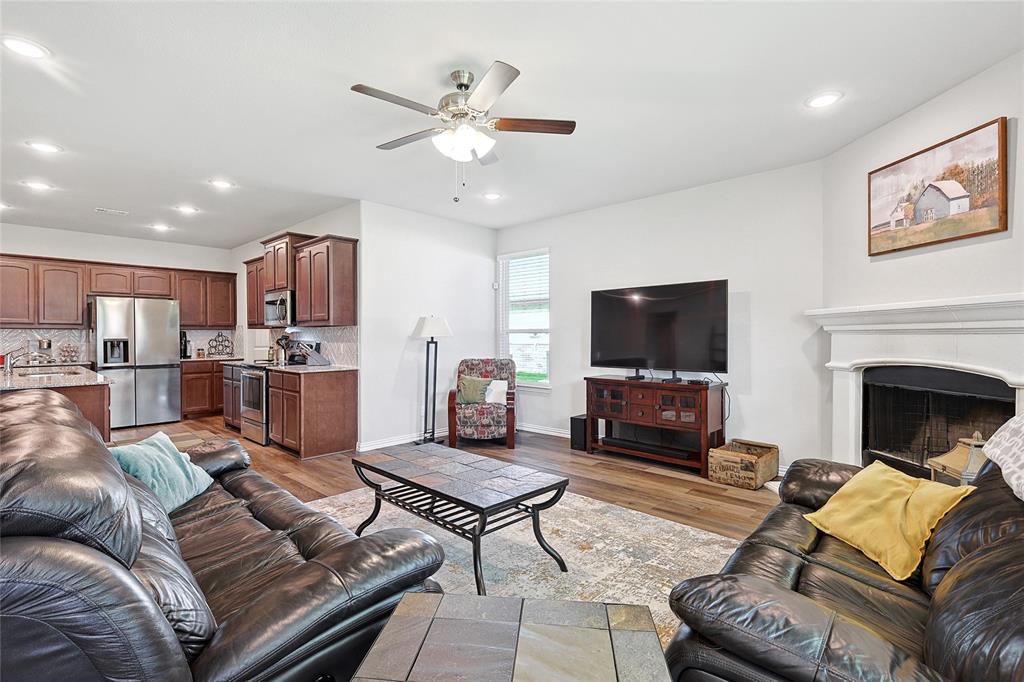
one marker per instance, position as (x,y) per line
(432,326)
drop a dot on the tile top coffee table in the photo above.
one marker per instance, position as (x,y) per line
(465,494)
(435,638)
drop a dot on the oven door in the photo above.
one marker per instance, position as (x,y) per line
(277,309)
(254,396)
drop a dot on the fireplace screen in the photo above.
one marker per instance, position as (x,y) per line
(914,413)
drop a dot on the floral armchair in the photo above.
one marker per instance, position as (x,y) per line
(484,420)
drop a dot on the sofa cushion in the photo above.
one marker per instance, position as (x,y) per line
(219,455)
(975,630)
(12,400)
(60,481)
(48,414)
(162,571)
(990,513)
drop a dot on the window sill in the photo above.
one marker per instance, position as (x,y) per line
(533,388)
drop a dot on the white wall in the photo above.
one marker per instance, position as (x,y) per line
(44,241)
(980,265)
(761,232)
(411,265)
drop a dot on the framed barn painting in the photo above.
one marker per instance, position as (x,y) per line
(952,190)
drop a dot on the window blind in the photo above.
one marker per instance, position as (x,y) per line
(523,297)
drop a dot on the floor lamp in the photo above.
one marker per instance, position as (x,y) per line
(431,327)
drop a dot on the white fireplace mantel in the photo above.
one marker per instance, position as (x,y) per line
(979,334)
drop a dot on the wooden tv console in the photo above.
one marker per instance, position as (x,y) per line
(674,423)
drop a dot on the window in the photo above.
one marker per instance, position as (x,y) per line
(524,312)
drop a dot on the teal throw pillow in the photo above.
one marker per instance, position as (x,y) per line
(170,474)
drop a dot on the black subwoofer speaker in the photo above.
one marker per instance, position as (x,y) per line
(578,432)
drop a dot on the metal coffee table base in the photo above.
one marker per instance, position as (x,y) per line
(460,520)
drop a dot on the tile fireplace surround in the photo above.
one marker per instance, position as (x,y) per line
(980,334)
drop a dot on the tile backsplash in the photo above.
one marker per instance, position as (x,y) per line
(339,344)
(75,340)
(201,338)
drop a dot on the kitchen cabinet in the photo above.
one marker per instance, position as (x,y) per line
(203,388)
(60,287)
(110,280)
(325,282)
(206,300)
(155,283)
(254,292)
(279,260)
(232,391)
(313,413)
(17,292)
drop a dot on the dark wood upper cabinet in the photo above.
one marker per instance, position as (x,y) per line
(220,301)
(191,288)
(17,291)
(155,283)
(113,280)
(325,282)
(279,260)
(303,286)
(253,301)
(61,291)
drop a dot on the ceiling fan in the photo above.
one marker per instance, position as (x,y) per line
(463,116)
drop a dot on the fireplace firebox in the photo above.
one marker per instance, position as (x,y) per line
(913,413)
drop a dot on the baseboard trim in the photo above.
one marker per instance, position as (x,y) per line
(367,445)
(546,430)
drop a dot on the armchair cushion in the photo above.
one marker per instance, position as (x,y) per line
(481,420)
(788,633)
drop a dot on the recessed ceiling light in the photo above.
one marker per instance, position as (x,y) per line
(222,184)
(44,147)
(492,196)
(188,210)
(160,227)
(3,206)
(25,47)
(824,99)
(35,184)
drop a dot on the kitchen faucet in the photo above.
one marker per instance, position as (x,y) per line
(11,358)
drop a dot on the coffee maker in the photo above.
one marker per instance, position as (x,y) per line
(184,346)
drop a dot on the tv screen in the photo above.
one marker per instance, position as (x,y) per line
(680,327)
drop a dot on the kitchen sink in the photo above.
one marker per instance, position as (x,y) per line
(48,372)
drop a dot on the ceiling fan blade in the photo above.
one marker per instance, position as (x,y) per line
(394,99)
(489,89)
(534,125)
(487,159)
(415,137)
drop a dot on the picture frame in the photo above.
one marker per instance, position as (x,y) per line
(954,189)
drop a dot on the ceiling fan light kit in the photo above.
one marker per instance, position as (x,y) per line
(464,116)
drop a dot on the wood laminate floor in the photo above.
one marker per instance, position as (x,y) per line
(656,489)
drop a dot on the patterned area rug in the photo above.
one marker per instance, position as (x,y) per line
(614,554)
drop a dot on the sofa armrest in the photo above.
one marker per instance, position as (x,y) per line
(219,455)
(788,633)
(811,482)
(316,596)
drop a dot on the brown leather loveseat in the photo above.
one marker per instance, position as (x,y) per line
(243,582)
(793,603)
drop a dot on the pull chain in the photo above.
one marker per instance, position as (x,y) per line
(460,180)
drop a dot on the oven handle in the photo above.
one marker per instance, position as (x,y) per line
(254,375)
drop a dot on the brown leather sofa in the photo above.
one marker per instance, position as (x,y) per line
(243,582)
(793,603)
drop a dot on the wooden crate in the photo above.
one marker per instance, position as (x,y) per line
(743,463)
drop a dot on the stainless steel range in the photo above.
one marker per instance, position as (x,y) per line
(253,405)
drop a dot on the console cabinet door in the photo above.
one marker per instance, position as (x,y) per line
(191,288)
(17,291)
(110,279)
(275,405)
(61,290)
(155,283)
(303,290)
(220,301)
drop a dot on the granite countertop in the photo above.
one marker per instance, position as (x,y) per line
(212,358)
(308,369)
(53,379)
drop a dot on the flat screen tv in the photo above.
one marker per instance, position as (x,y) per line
(681,327)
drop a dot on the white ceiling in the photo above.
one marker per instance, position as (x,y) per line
(151,99)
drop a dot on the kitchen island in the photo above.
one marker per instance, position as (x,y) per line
(87,389)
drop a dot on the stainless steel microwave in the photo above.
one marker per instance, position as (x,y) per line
(279,309)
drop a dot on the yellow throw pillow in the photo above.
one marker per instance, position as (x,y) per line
(888,515)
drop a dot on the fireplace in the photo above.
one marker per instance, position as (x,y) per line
(913,413)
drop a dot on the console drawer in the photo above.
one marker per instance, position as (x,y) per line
(641,413)
(641,396)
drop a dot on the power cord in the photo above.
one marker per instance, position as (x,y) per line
(728,409)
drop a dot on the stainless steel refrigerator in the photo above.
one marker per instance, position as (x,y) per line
(136,345)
